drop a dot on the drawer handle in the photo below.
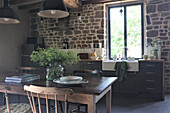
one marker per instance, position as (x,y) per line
(150,65)
(150,88)
(150,80)
(150,73)
(89,63)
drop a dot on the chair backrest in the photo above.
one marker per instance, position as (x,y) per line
(6,89)
(27,70)
(45,92)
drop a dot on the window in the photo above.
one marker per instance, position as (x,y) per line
(126,31)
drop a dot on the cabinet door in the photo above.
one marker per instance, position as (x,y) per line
(68,69)
(96,65)
(131,83)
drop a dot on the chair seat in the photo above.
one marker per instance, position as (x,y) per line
(17,108)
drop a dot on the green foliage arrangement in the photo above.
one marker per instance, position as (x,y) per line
(53,58)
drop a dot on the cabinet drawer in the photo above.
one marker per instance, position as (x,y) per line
(147,65)
(151,72)
(68,69)
(151,81)
(92,65)
(151,89)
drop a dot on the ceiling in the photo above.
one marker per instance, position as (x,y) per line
(74,4)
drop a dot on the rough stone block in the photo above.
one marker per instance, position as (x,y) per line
(163,34)
(100,31)
(157,22)
(98,8)
(100,36)
(164,53)
(165,14)
(154,15)
(164,7)
(86,31)
(148,20)
(156,27)
(167,18)
(68,32)
(151,8)
(163,38)
(149,27)
(152,33)
(155,1)
(155,18)
(77,32)
(99,14)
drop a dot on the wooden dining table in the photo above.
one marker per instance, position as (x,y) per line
(89,93)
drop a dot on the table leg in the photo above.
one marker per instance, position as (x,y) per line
(92,105)
(108,101)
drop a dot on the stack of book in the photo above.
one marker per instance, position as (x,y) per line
(22,78)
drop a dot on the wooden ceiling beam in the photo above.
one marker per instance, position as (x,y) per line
(30,6)
(99,1)
(76,4)
(14,2)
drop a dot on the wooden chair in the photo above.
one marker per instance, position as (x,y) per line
(27,70)
(37,91)
(15,107)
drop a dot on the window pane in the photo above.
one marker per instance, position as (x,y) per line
(116,31)
(134,43)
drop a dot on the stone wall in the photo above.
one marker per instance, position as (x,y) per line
(158,25)
(91,29)
(80,34)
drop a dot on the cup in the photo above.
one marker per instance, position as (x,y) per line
(145,57)
(151,57)
(129,58)
(100,45)
(133,58)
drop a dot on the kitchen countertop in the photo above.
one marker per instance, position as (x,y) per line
(91,60)
(140,60)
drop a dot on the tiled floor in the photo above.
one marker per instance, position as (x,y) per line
(130,104)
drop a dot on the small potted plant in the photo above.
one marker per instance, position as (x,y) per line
(53,59)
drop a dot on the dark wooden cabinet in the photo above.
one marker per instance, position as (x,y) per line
(128,86)
(96,65)
(26,50)
(151,79)
(148,82)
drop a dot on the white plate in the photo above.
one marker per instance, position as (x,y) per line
(70,82)
(71,78)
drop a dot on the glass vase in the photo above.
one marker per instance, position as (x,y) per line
(54,71)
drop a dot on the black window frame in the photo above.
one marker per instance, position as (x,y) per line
(125,28)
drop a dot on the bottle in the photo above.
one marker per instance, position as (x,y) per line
(64,44)
(94,54)
(119,57)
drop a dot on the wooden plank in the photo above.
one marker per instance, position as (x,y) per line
(30,6)
(100,1)
(97,98)
(76,4)
(108,101)
(14,2)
